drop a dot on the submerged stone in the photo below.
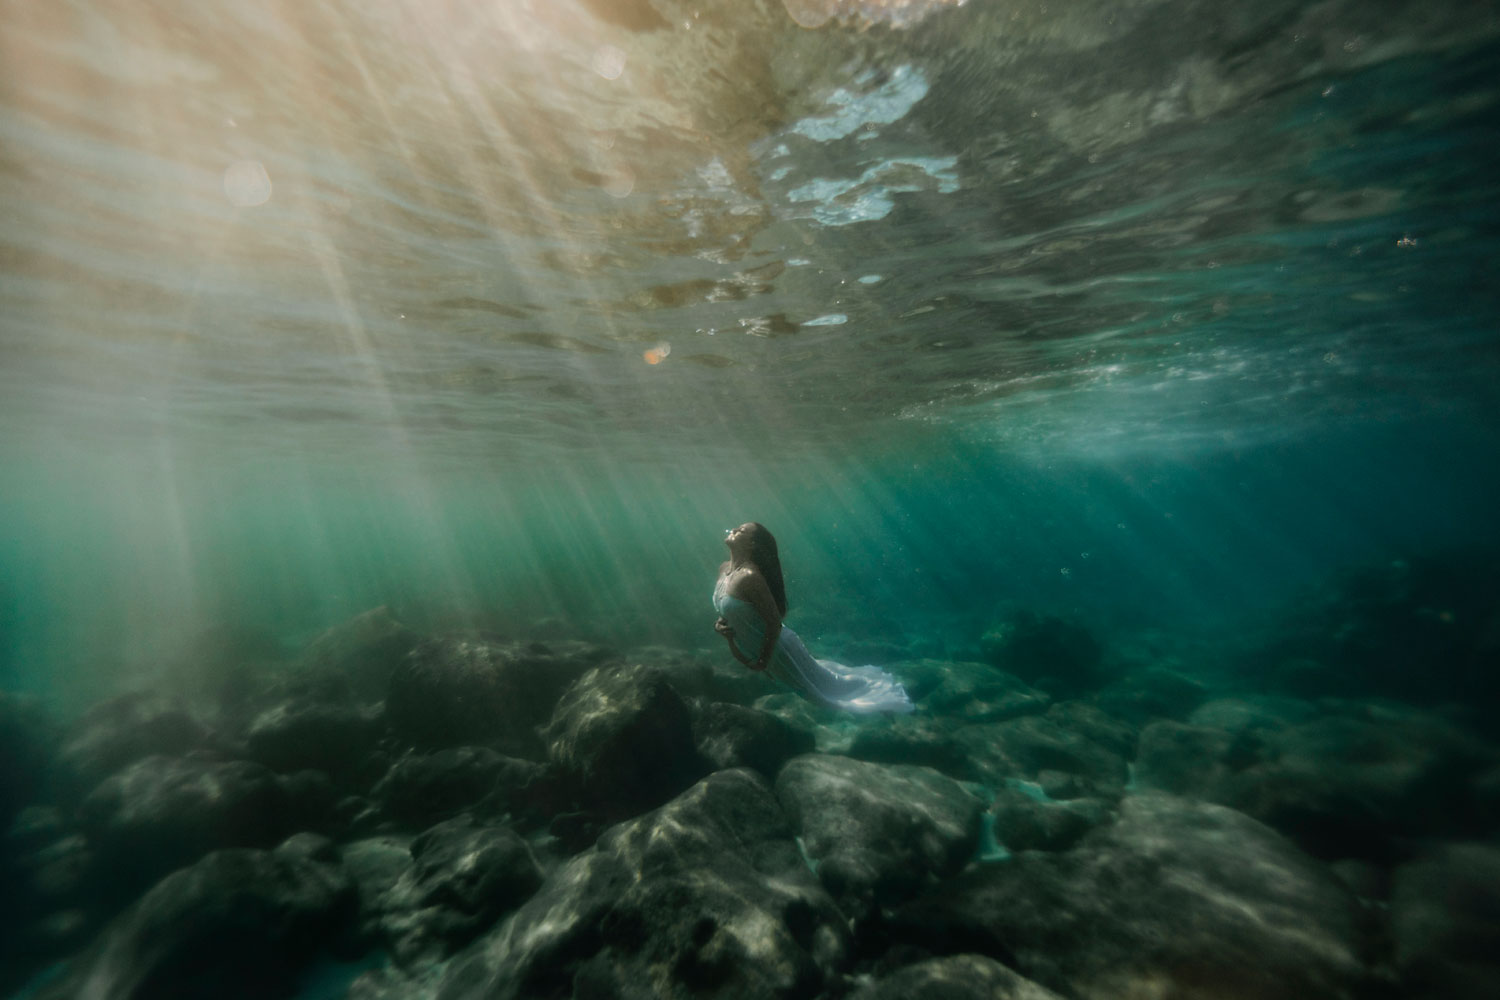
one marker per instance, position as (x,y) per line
(164,812)
(460,879)
(421,789)
(237,925)
(1176,898)
(960,977)
(706,896)
(624,738)
(1060,657)
(876,832)
(116,733)
(736,736)
(1445,923)
(362,653)
(471,690)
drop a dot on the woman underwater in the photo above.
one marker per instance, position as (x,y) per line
(751,600)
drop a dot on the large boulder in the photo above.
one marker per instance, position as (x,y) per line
(1357,780)
(1424,629)
(624,739)
(1176,898)
(302,733)
(361,654)
(729,735)
(237,924)
(958,977)
(1028,746)
(421,789)
(116,733)
(969,692)
(1445,923)
(705,897)
(1058,656)
(26,736)
(471,690)
(165,812)
(876,833)
(461,878)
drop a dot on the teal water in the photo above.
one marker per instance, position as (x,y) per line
(1153,314)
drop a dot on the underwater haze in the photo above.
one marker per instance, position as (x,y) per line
(1071,342)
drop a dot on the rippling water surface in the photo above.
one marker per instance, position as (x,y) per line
(513,306)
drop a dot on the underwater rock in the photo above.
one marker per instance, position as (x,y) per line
(969,692)
(455,691)
(736,736)
(1153,693)
(1424,629)
(1060,657)
(1358,781)
(916,739)
(26,738)
(624,739)
(1114,734)
(116,733)
(165,812)
(1176,898)
(421,789)
(461,879)
(876,833)
(959,977)
(711,679)
(301,733)
(361,654)
(1445,922)
(1024,747)
(237,924)
(1028,823)
(45,910)
(706,896)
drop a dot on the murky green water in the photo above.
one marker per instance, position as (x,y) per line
(501,313)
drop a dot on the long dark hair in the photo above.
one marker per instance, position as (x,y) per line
(763,554)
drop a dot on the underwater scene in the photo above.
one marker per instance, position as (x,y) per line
(754,499)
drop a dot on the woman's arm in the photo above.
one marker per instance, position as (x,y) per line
(750,587)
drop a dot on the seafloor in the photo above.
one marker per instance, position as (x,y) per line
(1307,809)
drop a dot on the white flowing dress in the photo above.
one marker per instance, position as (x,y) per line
(852,689)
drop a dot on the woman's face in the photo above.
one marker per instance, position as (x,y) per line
(738,539)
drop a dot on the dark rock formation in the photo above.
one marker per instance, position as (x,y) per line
(1424,629)
(1025,747)
(624,739)
(1360,780)
(1445,921)
(455,691)
(421,789)
(877,833)
(736,736)
(970,692)
(165,812)
(461,878)
(1175,899)
(1059,657)
(960,977)
(705,897)
(303,733)
(26,738)
(361,654)
(116,733)
(237,924)
(1026,823)
(1152,693)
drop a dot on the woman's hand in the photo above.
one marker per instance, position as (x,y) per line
(722,627)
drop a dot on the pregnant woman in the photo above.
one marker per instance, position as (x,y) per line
(751,600)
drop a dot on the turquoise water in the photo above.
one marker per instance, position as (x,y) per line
(1152,315)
